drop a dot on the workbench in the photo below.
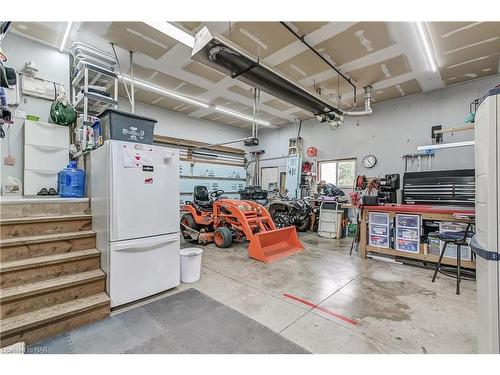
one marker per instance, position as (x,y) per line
(427,212)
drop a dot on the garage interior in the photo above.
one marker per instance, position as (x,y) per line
(250,187)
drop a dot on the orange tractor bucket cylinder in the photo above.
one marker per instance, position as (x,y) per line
(275,244)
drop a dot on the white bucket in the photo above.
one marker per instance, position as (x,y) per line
(191,264)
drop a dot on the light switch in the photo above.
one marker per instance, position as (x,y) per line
(19,114)
(9,160)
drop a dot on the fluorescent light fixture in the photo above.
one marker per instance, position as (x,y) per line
(163,91)
(240,115)
(186,99)
(425,45)
(446,145)
(174,32)
(65,37)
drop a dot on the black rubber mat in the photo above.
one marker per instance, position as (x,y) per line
(185,322)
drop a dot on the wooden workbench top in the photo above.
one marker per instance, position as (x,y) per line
(422,208)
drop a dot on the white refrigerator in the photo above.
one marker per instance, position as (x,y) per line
(134,191)
(485,243)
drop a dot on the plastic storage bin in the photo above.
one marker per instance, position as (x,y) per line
(379,227)
(408,233)
(451,252)
(434,247)
(71,181)
(191,264)
(378,218)
(124,126)
(407,245)
(380,241)
(408,221)
(381,230)
(451,249)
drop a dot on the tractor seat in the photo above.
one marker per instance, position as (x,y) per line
(202,198)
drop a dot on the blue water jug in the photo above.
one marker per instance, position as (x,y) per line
(72,181)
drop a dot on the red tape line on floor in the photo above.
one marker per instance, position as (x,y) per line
(322,309)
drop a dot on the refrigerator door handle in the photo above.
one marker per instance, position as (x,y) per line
(145,243)
(482,252)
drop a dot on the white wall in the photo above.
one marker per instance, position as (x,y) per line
(395,128)
(54,66)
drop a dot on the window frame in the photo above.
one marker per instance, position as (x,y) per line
(337,161)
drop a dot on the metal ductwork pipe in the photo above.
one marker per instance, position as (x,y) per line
(228,58)
(368,109)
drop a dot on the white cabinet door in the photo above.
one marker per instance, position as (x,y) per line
(34,180)
(144,191)
(141,268)
(46,134)
(45,158)
(487,156)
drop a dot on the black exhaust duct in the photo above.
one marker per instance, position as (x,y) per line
(224,56)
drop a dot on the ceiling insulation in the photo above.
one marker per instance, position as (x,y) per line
(464,51)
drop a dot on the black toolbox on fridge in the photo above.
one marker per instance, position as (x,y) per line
(124,126)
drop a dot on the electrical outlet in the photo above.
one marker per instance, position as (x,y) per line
(9,160)
(19,114)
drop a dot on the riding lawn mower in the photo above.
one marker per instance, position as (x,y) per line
(212,218)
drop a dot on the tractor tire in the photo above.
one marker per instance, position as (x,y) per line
(304,225)
(223,237)
(281,220)
(188,220)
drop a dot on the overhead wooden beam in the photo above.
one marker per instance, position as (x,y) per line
(187,143)
(454,130)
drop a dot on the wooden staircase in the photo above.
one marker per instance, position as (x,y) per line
(50,276)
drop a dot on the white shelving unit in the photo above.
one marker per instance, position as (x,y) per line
(231,179)
(46,152)
(86,101)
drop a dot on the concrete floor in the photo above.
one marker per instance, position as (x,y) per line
(397,308)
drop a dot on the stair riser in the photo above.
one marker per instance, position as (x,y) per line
(53,328)
(31,275)
(17,252)
(47,299)
(10,211)
(41,228)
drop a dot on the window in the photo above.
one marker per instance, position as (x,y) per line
(338,172)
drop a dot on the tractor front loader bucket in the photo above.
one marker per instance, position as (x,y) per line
(274,244)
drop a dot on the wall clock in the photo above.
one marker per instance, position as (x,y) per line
(369,161)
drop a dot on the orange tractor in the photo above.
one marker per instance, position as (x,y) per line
(210,218)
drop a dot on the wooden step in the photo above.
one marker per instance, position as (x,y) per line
(40,324)
(34,296)
(25,207)
(32,246)
(36,226)
(24,271)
